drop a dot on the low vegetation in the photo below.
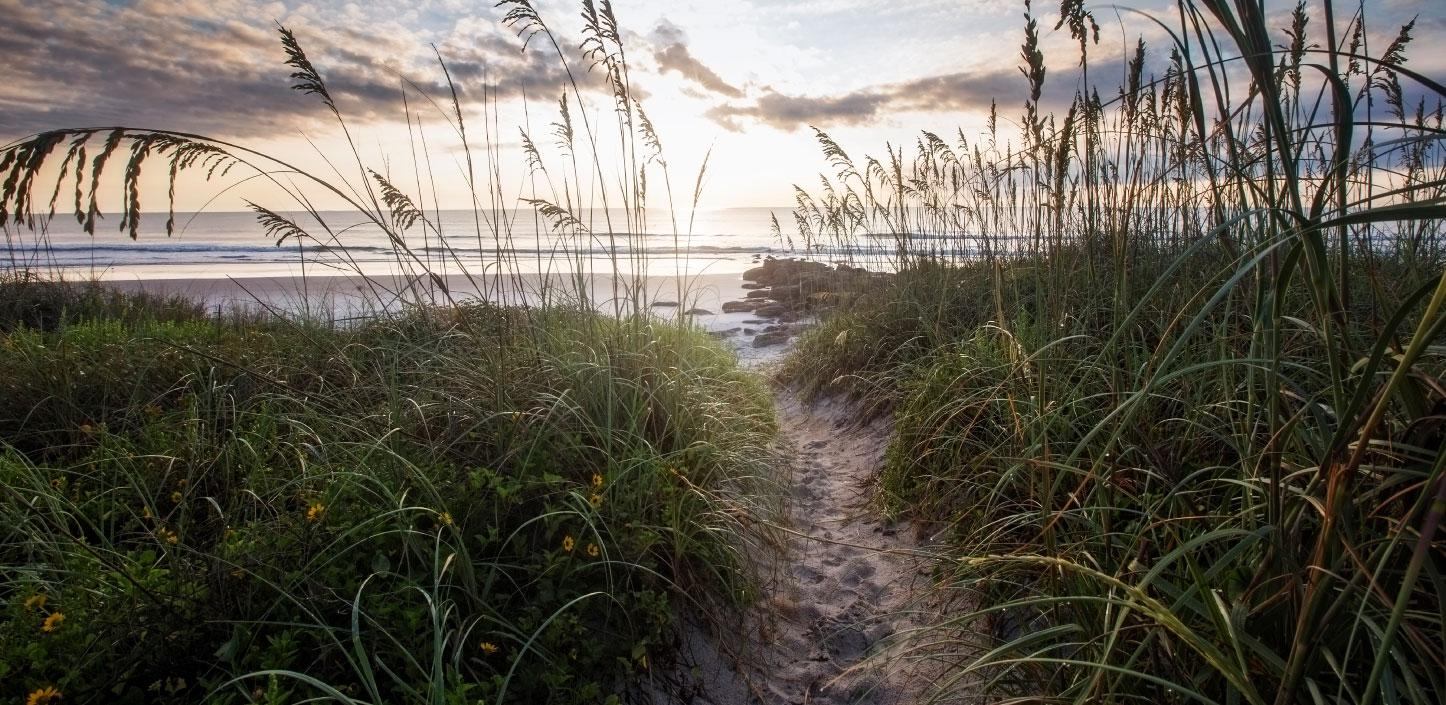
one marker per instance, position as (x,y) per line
(457,505)
(445,502)
(1169,375)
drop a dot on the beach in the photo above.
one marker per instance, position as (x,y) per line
(700,297)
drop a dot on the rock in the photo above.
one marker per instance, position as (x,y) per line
(791,292)
(749,331)
(698,312)
(665,304)
(773,310)
(820,299)
(740,306)
(763,340)
(758,294)
(721,334)
(753,285)
(755,322)
(790,316)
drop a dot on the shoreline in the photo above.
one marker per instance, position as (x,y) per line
(350,296)
(757,312)
(362,293)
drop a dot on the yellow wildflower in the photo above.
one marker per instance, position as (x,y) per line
(146,511)
(45,695)
(597,480)
(595,500)
(87,429)
(316,512)
(35,602)
(445,518)
(52,622)
(568,543)
(167,535)
(592,550)
(176,497)
(489,648)
(58,483)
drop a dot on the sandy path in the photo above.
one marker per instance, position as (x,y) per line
(848,581)
(847,587)
(849,578)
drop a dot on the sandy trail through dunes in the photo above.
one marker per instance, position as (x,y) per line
(849,585)
(850,576)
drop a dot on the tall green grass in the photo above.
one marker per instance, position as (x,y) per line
(1168,370)
(249,511)
(514,498)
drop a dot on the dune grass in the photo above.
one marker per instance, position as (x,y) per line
(512,498)
(465,506)
(1168,374)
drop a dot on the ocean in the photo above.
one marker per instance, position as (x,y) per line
(234,244)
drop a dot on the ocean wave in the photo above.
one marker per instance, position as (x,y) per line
(200,253)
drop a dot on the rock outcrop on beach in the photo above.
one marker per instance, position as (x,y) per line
(792,292)
(776,337)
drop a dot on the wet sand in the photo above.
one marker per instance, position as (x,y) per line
(342,297)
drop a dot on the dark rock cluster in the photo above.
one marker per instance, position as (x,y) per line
(790,292)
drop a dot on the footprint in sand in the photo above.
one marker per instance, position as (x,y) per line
(844,581)
(857,572)
(845,635)
(807,575)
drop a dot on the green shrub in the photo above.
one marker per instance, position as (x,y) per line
(452,506)
(1187,439)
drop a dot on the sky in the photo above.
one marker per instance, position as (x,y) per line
(740,82)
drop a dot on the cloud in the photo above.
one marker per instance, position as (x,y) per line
(672,54)
(187,67)
(953,92)
(786,112)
